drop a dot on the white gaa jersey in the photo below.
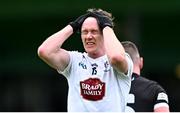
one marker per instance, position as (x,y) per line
(94,85)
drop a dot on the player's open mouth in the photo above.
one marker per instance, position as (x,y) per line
(90,43)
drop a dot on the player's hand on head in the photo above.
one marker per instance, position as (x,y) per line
(76,24)
(103,20)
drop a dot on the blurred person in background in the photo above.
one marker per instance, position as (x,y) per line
(145,95)
(99,77)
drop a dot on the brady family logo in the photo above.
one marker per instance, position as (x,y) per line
(92,89)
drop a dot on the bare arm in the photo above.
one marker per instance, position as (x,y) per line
(51,52)
(162,109)
(114,50)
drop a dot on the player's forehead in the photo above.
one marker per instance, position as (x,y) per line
(90,22)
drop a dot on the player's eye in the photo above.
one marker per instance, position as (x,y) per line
(84,32)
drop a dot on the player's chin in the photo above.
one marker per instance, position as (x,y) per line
(90,50)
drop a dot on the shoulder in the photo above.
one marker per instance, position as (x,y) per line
(151,85)
(146,80)
(77,54)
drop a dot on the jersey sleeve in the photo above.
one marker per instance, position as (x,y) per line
(161,98)
(73,56)
(130,67)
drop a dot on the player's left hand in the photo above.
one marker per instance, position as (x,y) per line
(103,20)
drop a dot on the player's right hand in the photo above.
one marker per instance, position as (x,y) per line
(76,25)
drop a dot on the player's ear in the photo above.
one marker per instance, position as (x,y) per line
(141,62)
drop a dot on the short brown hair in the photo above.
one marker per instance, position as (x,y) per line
(131,49)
